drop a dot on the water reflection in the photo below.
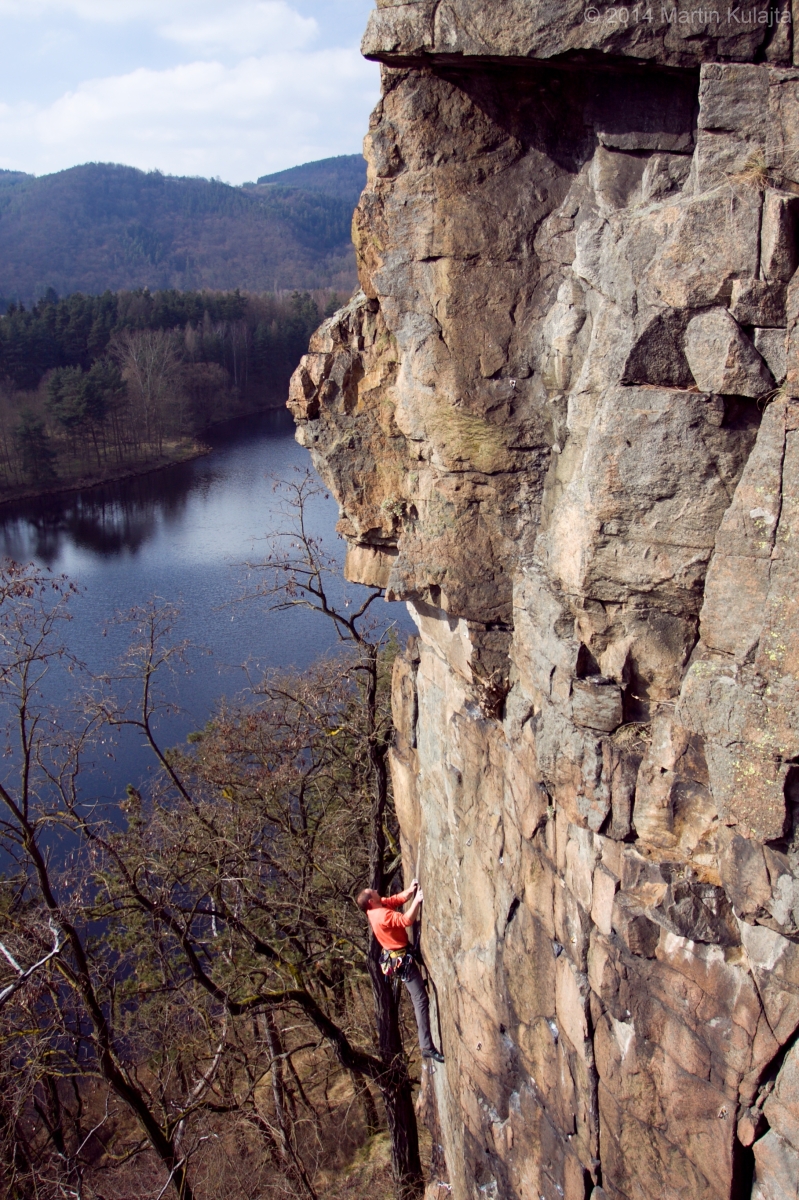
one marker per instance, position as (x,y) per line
(184,535)
(123,517)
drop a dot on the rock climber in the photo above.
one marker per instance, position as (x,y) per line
(390,927)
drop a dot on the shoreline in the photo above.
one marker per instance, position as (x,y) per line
(122,473)
(115,475)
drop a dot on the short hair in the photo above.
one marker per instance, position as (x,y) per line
(363,899)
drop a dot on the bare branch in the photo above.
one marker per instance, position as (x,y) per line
(24,975)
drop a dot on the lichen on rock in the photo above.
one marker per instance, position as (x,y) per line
(561,421)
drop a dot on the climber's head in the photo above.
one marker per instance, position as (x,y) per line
(368,898)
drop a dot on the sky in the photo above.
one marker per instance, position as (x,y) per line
(229,89)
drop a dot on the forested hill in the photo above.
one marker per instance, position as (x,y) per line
(103,227)
(344,177)
(91,385)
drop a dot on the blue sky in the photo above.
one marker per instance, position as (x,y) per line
(228,88)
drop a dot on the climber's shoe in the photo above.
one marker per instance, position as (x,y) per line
(436,1055)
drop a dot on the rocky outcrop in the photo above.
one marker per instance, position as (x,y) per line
(561,421)
(673,35)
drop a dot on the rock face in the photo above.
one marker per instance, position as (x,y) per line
(561,421)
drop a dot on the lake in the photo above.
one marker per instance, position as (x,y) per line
(184,535)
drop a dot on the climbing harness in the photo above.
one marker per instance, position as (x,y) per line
(396,964)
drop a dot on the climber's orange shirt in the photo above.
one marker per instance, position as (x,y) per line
(388,925)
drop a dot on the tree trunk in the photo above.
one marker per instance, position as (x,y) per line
(377,759)
(371,1119)
(96,446)
(294,1163)
(395,1088)
(401,1116)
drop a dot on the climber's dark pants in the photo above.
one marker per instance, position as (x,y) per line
(421,1007)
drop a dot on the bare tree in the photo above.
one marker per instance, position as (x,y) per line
(24,974)
(298,572)
(40,804)
(212,939)
(258,843)
(149,360)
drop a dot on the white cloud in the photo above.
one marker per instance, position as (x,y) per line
(246,26)
(234,88)
(107,11)
(243,28)
(205,118)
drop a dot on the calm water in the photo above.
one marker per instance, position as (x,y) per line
(184,535)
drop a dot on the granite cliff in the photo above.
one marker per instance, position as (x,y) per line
(562,421)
